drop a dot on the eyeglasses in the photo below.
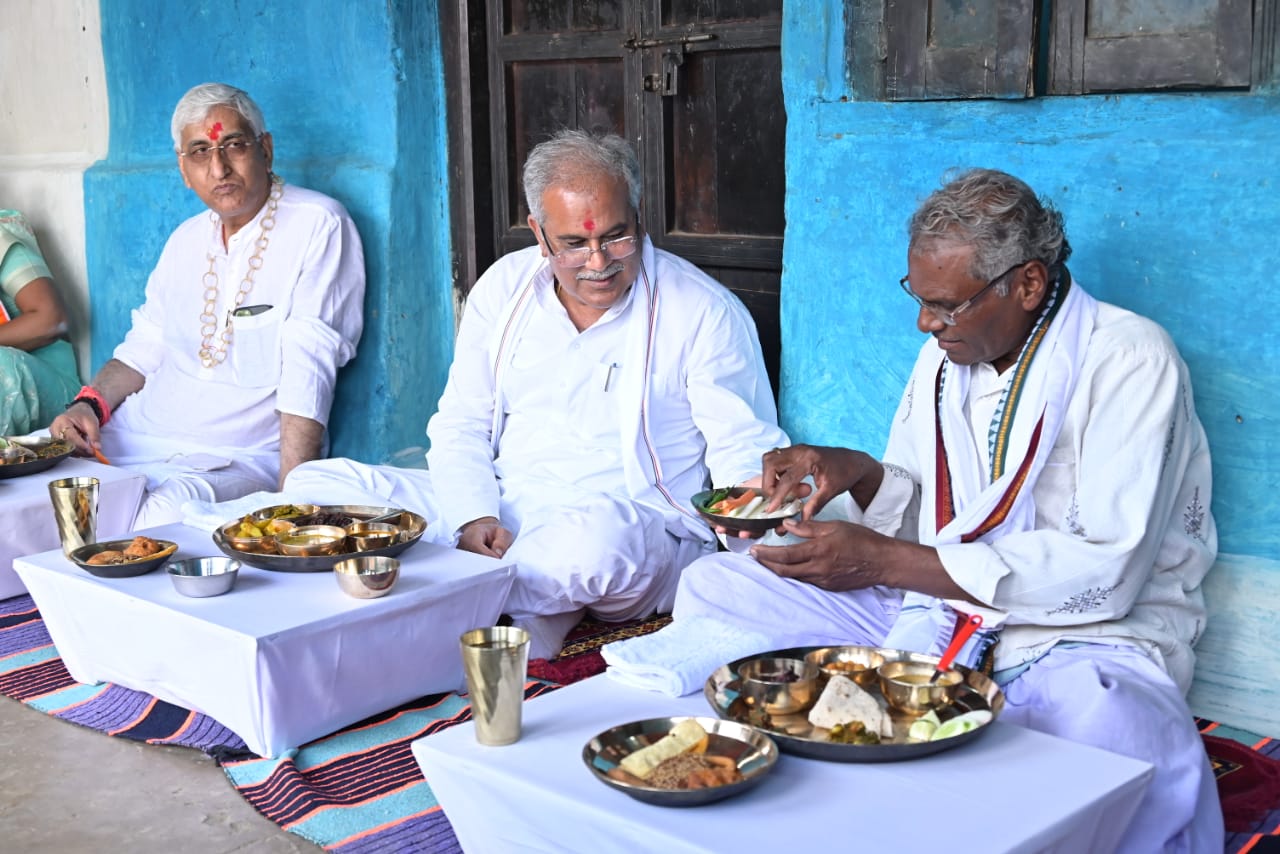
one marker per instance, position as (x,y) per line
(949,315)
(578,256)
(236,149)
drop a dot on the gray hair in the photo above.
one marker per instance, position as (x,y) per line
(199,100)
(578,159)
(997,214)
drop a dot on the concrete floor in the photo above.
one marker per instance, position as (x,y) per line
(66,789)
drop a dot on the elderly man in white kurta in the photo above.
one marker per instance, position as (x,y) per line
(597,384)
(1046,470)
(224,381)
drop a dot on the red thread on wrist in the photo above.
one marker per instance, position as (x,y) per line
(91,393)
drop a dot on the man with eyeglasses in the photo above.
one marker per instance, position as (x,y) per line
(1046,472)
(224,381)
(598,383)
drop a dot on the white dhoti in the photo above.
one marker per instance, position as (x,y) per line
(1121,701)
(595,553)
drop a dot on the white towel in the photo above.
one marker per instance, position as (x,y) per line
(678,659)
(208,516)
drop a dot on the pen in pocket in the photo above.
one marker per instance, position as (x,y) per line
(251,310)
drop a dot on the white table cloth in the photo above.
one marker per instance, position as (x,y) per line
(29,526)
(1012,789)
(285,657)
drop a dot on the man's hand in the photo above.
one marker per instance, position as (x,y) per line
(78,426)
(485,536)
(846,556)
(834,555)
(834,470)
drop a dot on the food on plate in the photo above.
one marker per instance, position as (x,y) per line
(924,727)
(694,771)
(53,449)
(141,547)
(254,528)
(845,667)
(843,702)
(962,724)
(678,760)
(854,732)
(687,736)
(749,505)
(336,520)
(285,511)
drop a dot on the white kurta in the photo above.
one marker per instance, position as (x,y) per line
(223,423)
(1123,534)
(571,401)
(1122,540)
(602,437)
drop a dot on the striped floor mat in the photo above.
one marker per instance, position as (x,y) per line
(357,791)
(360,791)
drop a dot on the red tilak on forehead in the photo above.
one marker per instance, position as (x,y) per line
(589,224)
(215,131)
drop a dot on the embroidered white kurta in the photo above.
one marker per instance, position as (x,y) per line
(282,360)
(1123,534)
(574,419)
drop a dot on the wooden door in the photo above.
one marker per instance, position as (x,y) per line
(695,85)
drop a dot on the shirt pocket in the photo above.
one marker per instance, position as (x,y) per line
(255,349)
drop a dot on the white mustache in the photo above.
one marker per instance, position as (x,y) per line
(612,270)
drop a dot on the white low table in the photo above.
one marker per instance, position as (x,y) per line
(29,526)
(1013,789)
(285,657)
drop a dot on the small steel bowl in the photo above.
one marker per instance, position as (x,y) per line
(312,540)
(201,577)
(858,663)
(779,686)
(906,685)
(283,511)
(367,577)
(367,536)
(264,545)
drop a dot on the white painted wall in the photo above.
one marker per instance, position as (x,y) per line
(53,125)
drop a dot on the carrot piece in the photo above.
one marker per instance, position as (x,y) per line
(733,503)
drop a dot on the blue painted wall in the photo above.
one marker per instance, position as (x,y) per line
(1171,204)
(353,95)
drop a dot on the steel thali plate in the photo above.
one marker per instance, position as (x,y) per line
(794,734)
(53,452)
(411,524)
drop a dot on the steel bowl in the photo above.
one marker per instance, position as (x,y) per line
(907,686)
(751,750)
(366,536)
(264,545)
(858,663)
(779,686)
(312,540)
(200,577)
(283,511)
(367,577)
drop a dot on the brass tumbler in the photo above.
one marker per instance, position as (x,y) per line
(75,507)
(494,660)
